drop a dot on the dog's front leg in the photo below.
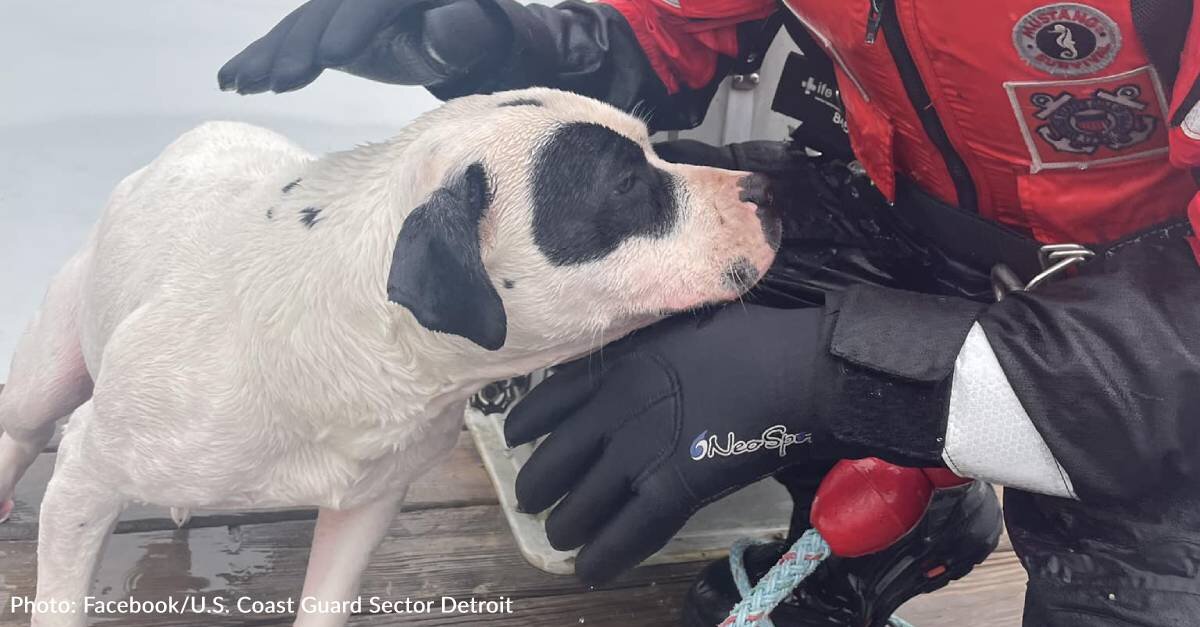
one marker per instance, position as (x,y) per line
(78,514)
(342,545)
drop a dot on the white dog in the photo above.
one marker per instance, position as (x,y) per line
(250,326)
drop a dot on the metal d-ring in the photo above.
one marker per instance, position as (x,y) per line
(1054,260)
(1061,265)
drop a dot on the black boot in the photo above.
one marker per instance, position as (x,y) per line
(960,529)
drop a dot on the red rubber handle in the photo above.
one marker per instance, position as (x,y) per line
(866,505)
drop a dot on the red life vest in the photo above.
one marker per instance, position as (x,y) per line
(1045,116)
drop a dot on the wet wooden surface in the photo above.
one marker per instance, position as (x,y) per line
(451,540)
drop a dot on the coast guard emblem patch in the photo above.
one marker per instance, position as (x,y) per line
(1081,123)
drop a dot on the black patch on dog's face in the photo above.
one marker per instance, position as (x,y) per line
(290,186)
(593,189)
(509,284)
(437,271)
(271,213)
(310,216)
(522,102)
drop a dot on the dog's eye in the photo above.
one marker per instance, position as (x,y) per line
(626,183)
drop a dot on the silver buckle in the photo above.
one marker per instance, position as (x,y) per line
(744,82)
(1054,260)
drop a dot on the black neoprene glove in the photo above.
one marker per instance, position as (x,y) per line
(411,42)
(770,157)
(661,423)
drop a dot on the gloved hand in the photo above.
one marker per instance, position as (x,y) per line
(411,42)
(773,158)
(655,426)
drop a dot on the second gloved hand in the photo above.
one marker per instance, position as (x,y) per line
(411,42)
(661,423)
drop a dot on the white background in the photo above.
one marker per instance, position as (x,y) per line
(91,90)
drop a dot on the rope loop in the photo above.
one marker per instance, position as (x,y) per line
(796,564)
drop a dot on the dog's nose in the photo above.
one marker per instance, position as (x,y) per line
(755,188)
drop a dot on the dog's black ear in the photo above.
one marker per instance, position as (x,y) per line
(437,272)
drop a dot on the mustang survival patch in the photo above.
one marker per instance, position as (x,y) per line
(1067,39)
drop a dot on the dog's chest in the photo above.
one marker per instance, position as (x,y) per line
(354,462)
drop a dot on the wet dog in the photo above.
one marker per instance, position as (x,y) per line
(249,326)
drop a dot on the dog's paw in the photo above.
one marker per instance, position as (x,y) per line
(6,509)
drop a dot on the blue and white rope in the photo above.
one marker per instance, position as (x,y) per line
(793,567)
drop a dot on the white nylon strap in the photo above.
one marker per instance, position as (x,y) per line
(989,435)
(739,116)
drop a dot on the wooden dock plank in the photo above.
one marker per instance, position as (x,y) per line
(458,551)
(644,606)
(459,480)
(462,551)
(452,540)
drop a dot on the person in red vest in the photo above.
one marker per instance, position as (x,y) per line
(991,269)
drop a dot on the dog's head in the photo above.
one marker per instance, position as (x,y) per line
(553,221)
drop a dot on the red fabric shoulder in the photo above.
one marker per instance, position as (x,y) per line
(683,39)
(1185,136)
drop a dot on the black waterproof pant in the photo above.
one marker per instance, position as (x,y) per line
(1089,565)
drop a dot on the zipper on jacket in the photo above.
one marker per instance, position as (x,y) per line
(884,12)
(873,18)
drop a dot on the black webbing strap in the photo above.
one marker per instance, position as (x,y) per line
(964,235)
(968,238)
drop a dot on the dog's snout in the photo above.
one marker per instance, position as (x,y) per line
(755,188)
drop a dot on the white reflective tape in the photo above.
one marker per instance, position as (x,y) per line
(1191,123)
(989,435)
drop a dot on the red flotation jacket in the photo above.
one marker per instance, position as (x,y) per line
(1049,117)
